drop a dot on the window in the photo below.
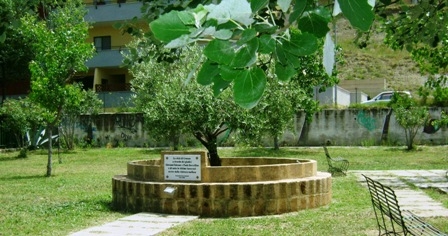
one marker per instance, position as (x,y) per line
(102,43)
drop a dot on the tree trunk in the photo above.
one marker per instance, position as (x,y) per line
(276,145)
(385,134)
(50,150)
(210,142)
(175,141)
(213,154)
(3,83)
(59,145)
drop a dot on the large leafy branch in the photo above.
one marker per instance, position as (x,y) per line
(236,32)
(422,30)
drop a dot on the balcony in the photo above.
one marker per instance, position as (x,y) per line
(114,100)
(113,87)
(113,10)
(107,58)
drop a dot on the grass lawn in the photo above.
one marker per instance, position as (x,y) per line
(78,195)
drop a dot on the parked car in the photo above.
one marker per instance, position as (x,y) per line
(384,97)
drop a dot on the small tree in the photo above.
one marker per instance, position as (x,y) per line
(282,100)
(60,52)
(172,105)
(409,116)
(89,105)
(19,117)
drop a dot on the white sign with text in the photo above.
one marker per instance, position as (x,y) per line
(182,167)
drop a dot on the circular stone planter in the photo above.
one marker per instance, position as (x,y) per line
(240,187)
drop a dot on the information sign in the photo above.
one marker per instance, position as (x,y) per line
(182,167)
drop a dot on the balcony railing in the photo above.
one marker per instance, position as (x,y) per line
(113,10)
(112,87)
(116,99)
(107,58)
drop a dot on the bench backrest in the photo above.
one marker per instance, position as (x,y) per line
(385,206)
(327,154)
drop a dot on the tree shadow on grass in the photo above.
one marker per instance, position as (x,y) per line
(9,158)
(153,151)
(22,177)
(270,152)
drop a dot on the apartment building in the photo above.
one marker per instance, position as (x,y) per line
(106,75)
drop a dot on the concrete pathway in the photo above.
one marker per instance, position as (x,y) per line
(414,200)
(138,224)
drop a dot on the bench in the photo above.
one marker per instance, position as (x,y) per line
(390,218)
(336,165)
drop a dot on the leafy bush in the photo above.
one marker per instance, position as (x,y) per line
(410,116)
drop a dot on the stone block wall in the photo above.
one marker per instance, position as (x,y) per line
(342,127)
(223,199)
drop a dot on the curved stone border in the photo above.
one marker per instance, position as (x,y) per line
(223,199)
(244,169)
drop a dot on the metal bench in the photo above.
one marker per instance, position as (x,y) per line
(336,165)
(390,218)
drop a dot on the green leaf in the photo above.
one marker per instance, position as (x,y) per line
(187,18)
(267,44)
(247,35)
(301,44)
(246,55)
(237,10)
(359,13)
(229,74)
(281,54)
(219,85)
(284,73)
(180,42)
(299,7)
(220,51)
(226,53)
(314,24)
(223,34)
(323,12)
(257,5)
(3,37)
(265,28)
(292,59)
(249,87)
(169,27)
(208,72)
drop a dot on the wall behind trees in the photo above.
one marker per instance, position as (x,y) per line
(342,127)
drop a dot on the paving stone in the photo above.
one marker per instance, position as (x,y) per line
(138,224)
(410,199)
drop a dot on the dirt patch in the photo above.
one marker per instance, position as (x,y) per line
(375,61)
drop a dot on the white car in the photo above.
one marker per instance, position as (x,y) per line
(384,97)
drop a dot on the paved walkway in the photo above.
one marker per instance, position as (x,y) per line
(409,198)
(138,224)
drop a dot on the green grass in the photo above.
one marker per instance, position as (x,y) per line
(78,195)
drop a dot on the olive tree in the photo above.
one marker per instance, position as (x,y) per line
(173,106)
(60,49)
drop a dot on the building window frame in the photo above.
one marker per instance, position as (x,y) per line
(102,42)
